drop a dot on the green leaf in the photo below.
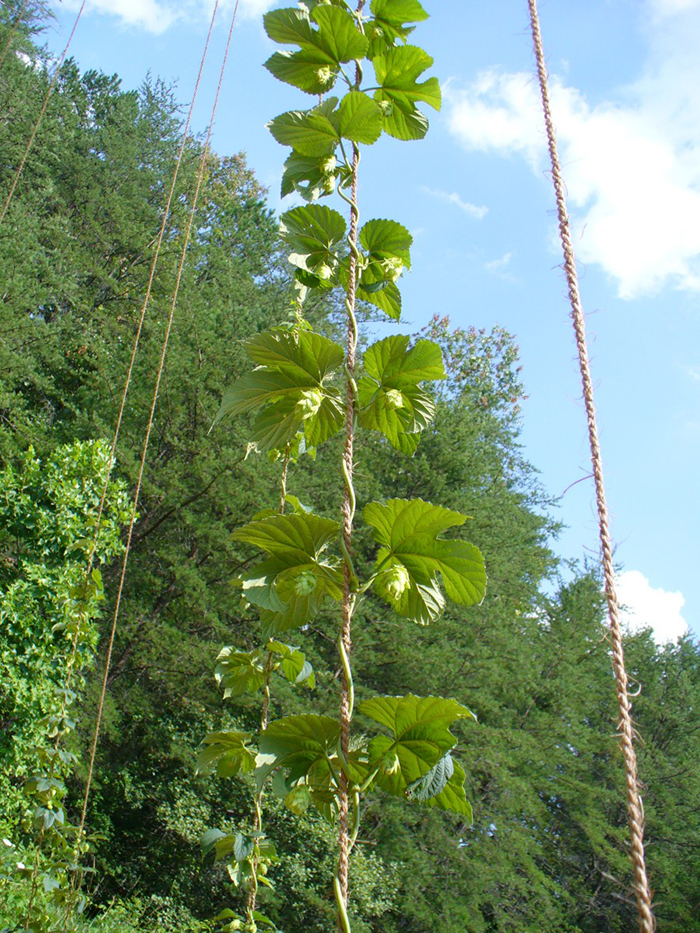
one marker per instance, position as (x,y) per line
(339,34)
(294,583)
(309,132)
(243,847)
(239,672)
(309,70)
(386,239)
(398,12)
(301,355)
(432,783)
(226,753)
(407,532)
(390,399)
(298,537)
(302,746)
(338,37)
(312,178)
(360,119)
(390,362)
(411,760)
(387,299)
(315,234)
(293,665)
(291,386)
(397,71)
(289,27)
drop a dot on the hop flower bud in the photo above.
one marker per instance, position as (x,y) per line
(305,583)
(392,268)
(395,399)
(309,403)
(396,581)
(324,74)
(328,165)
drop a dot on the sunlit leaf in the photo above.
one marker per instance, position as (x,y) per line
(407,531)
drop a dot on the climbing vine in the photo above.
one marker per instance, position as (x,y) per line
(306,389)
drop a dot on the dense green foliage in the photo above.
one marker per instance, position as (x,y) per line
(546,850)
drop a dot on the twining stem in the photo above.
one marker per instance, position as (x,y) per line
(264,716)
(349,580)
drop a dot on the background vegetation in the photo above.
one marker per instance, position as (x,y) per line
(547,848)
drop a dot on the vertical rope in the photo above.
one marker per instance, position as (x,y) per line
(30,143)
(161,367)
(348,513)
(635,813)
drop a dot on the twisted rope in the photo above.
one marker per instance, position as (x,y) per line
(30,143)
(347,695)
(635,812)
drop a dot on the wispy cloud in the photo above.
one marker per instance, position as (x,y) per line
(630,163)
(644,606)
(498,265)
(473,210)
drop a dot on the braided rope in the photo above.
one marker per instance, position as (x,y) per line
(635,813)
(45,104)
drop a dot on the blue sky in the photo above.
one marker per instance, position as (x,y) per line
(477,198)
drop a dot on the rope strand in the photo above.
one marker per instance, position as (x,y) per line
(635,815)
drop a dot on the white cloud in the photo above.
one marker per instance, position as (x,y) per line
(644,606)
(498,265)
(157,16)
(453,198)
(631,165)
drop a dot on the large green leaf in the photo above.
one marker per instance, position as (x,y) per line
(390,398)
(292,387)
(387,298)
(308,69)
(411,759)
(315,234)
(302,747)
(301,537)
(309,132)
(226,753)
(360,118)
(389,25)
(339,34)
(292,585)
(411,557)
(390,362)
(338,37)
(397,72)
(298,354)
(289,27)
(387,239)
(398,12)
